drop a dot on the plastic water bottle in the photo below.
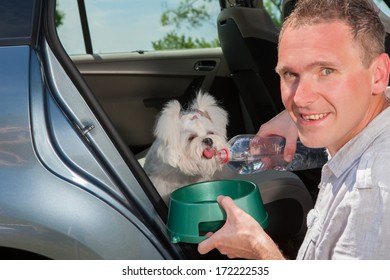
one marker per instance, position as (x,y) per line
(250,153)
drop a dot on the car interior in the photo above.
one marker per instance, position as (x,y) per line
(129,90)
(244,30)
(240,76)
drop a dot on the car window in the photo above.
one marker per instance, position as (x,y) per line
(383,6)
(275,7)
(138,25)
(15,20)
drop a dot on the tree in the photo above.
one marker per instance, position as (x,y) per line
(173,41)
(274,8)
(59,16)
(192,14)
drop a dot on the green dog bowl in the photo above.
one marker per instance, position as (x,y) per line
(194,210)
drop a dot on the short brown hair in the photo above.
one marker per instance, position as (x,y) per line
(360,15)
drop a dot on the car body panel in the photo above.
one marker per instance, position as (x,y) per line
(60,198)
(40,204)
(71,187)
(70,128)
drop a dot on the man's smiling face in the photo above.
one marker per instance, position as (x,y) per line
(325,87)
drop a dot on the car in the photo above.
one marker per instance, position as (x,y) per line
(74,128)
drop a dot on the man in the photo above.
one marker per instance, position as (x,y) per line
(334,73)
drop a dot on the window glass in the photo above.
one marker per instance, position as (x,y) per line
(383,6)
(69,27)
(275,7)
(16,19)
(125,26)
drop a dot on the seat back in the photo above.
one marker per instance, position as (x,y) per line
(287,7)
(249,43)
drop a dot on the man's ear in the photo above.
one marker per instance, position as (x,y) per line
(381,74)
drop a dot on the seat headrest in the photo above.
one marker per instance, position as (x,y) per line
(287,7)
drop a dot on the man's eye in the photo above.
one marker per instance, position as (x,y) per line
(326,71)
(289,75)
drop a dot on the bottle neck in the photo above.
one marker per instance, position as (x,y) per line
(223,155)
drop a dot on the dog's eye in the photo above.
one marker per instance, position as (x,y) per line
(210,132)
(192,137)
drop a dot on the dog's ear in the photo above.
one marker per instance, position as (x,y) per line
(208,105)
(169,117)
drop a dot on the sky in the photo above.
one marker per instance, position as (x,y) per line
(122,25)
(125,25)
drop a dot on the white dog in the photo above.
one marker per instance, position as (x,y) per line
(185,144)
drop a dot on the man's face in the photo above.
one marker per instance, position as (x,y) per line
(325,87)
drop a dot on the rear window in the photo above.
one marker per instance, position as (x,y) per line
(138,25)
(15,19)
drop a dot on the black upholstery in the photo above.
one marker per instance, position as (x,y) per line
(287,7)
(249,42)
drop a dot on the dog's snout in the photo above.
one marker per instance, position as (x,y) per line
(208,141)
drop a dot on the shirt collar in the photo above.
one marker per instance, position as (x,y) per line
(354,149)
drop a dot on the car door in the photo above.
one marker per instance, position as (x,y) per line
(131,80)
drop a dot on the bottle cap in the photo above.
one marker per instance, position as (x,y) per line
(223,155)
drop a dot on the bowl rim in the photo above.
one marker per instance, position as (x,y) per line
(174,199)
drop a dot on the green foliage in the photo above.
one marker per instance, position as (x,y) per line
(274,9)
(59,16)
(188,11)
(193,14)
(173,41)
(189,14)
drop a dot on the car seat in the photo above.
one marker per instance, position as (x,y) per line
(248,40)
(287,7)
(249,43)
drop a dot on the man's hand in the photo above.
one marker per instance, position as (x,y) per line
(282,125)
(241,236)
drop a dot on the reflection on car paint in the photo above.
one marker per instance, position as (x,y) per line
(12,138)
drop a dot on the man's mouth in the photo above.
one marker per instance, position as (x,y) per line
(314,117)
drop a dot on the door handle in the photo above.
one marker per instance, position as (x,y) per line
(205,65)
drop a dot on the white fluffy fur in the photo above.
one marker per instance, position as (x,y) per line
(175,158)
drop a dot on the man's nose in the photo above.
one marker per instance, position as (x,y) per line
(304,93)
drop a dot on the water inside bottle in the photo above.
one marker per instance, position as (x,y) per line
(251,165)
(241,167)
(248,156)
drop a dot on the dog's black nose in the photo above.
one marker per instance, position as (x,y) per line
(208,142)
